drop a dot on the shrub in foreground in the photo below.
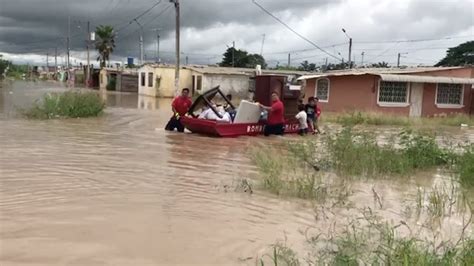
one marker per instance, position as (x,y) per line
(66,105)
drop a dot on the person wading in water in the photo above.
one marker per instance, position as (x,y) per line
(180,106)
(276,120)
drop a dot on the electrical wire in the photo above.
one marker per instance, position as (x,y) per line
(294,31)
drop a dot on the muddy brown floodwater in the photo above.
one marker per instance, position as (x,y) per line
(119,190)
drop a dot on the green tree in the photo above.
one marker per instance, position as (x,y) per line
(242,59)
(105,44)
(3,65)
(462,54)
(306,66)
(382,64)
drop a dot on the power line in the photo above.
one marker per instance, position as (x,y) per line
(416,40)
(292,30)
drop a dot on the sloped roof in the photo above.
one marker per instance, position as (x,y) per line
(376,71)
(425,79)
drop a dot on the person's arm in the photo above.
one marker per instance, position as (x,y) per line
(268,108)
(173,106)
(298,116)
(318,111)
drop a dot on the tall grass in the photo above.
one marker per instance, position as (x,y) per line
(283,175)
(465,167)
(358,154)
(66,105)
(372,118)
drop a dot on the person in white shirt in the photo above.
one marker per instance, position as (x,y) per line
(303,120)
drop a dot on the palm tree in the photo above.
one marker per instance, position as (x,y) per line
(105,44)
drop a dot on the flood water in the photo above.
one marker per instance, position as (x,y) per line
(119,190)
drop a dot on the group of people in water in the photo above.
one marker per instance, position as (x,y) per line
(307,116)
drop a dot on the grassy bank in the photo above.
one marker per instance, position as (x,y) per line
(368,118)
(358,154)
(465,167)
(375,244)
(66,105)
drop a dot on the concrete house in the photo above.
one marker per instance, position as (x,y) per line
(118,79)
(411,92)
(158,80)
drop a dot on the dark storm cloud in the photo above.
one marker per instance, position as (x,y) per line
(29,25)
(38,26)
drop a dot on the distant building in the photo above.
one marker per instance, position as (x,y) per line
(412,92)
(119,79)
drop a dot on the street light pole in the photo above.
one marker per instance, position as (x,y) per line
(88,40)
(350,48)
(176,82)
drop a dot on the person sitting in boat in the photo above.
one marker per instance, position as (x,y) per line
(209,114)
(228,108)
(276,120)
(180,107)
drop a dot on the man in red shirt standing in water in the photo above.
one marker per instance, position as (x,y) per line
(180,106)
(276,120)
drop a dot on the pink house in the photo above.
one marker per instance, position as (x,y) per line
(412,92)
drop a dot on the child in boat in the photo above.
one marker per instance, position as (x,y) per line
(303,120)
(313,112)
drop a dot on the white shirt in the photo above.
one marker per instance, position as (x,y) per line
(302,118)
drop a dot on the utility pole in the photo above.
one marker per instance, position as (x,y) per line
(398,60)
(350,48)
(88,40)
(362,61)
(233,54)
(187,60)
(176,84)
(289,59)
(350,52)
(263,41)
(47,62)
(157,59)
(56,59)
(68,39)
(140,40)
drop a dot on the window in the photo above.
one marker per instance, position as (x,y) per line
(150,79)
(322,89)
(142,78)
(393,93)
(449,94)
(199,83)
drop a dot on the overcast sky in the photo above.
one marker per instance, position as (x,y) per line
(29,29)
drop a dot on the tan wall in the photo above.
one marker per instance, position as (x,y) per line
(429,105)
(352,93)
(166,76)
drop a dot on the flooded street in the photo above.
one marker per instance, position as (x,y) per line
(119,190)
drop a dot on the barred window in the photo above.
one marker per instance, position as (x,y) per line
(393,92)
(150,79)
(449,94)
(322,89)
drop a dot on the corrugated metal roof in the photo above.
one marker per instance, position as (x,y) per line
(376,71)
(425,79)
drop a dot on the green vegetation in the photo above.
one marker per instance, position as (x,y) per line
(241,58)
(466,167)
(297,183)
(460,55)
(12,71)
(66,105)
(358,154)
(105,44)
(367,118)
(368,240)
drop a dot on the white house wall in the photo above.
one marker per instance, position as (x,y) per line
(237,85)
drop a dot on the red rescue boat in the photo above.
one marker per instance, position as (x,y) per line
(265,85)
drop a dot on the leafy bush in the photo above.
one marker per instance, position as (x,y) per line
(465,167)
(66,105)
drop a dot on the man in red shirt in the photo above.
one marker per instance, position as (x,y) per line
(276,120)
(180,106)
